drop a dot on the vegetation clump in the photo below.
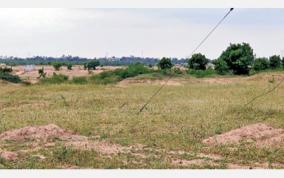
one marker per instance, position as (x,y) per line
(57,65)
(55,79)
(275,62)
(41,73)
(79,80)
(261,64)
(238,58)
(165,63)
(5,74)
(92,65)
(198,62)
(69,66)
(120,74)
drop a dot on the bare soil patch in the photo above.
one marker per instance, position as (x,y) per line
(259,134)
(77,71)
(126,82)
(219,80)
(198,162)
(37,137)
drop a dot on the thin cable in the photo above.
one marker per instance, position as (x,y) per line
(265,93)
(213,29)
(148,101)
(206,37)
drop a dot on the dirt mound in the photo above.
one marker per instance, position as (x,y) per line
(8,155)
(48,135)
(260,134)
(39,133)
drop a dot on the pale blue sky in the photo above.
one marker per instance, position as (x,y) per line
(147,32)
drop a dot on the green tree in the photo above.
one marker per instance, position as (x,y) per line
(165,63)
(57,65)
(275,61)
(198,62)
(239,58)
(261,64)
(92,65)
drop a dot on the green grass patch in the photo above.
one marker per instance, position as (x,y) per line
(202,73)
(79,80)
(55,79)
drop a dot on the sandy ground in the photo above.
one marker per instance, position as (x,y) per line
(260,134)
(47,136)
(77,71)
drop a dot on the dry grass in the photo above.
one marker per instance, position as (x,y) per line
(177,120)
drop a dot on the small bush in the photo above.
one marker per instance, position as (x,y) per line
(57,65)
(165,63)
(261,64)
(120,74)
(55,79)
(9,77)
(274,62)
(69,66)
(92,65)
(5,74)
(79,80)
(6,70)
(41,73)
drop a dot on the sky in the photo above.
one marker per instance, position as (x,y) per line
(139,32)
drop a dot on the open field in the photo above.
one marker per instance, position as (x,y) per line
(97,126)
(77,71)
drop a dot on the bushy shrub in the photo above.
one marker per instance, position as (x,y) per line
(5,74)
(198,62)
(221,67)
(92,65)
(274,62)
(55,79)
(120,74)
(69,66)
(261,64)
(239,58)
(283,62)
(9,77)
(165,63)
(41,73)
(177,71)
(6,69)
(57,65)
(79,80)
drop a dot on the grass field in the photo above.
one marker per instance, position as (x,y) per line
(172,126)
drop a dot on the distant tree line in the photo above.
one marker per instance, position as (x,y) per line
(75,60)
(235,59)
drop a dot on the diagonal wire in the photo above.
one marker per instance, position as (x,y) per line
(265,92)
(213,29)
(206,37)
